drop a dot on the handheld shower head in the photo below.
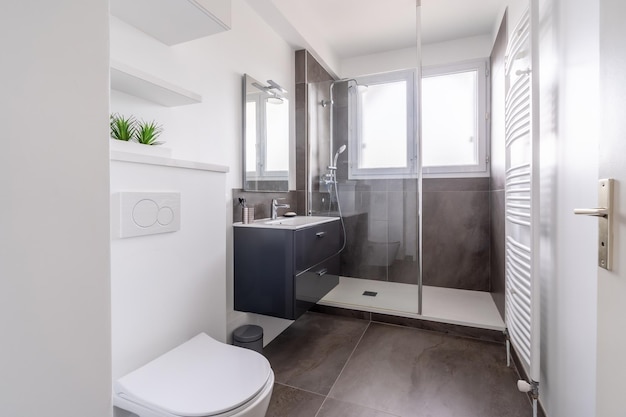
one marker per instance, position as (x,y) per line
(341,149)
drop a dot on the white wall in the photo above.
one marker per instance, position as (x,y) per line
(167,288)
(207,132)
(213,67)
(458,50)
(569,75)
(297,29)
(55,354)
(440,53)
(514,10)
(377,63)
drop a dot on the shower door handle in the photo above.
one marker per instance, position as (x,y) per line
(604,213)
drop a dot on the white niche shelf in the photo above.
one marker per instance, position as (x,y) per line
(140,84)
(175,21)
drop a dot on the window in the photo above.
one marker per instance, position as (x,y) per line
(383,141)
(277,140)
(454,122)
(267,138)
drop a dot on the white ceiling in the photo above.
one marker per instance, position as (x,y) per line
(361,27)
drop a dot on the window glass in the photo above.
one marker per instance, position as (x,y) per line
(453,123)
(251,137)
(277,122)
(383,138)
(449,119)
(383,142)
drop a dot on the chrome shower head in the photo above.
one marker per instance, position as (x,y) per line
(341,149)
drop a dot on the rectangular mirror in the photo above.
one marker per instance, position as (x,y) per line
(265,136)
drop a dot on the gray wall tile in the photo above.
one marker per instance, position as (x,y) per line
(300,61)
(455,184)
(456,239)
(498,80)
(261,201)
(315,72)
(301,136)
(497,185)
(497,249)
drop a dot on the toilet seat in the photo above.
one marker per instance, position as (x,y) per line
(201,377)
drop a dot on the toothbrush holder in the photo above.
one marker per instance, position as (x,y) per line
(247,215)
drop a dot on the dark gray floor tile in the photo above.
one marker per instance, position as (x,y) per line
(292,402)
(335,408)
(311,353)
(414,373)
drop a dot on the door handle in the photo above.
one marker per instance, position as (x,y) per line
(598,212)
(322,272)
(604,213)
(320,234)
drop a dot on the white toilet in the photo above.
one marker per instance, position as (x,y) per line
(200,378)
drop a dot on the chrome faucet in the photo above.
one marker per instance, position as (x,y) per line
(275,206)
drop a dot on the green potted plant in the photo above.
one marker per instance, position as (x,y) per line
(148,132)
(122,128)
(130,135)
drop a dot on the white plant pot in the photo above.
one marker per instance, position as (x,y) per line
(140,148)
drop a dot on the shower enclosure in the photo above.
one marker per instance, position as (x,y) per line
(413,247)
(380,215)
(421,247)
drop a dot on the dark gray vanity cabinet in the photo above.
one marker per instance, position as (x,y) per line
(283,272)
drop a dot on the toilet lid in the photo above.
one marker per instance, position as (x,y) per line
(201,377)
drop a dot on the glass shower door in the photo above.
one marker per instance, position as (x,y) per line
(379,265)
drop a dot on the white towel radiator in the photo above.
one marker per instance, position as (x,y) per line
(522,207)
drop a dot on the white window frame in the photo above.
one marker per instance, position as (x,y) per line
(261,173)
(410,170)
(481,168)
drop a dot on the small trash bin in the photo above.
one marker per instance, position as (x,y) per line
(249,336)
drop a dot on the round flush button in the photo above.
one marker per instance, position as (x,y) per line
(166,215)
(145,213)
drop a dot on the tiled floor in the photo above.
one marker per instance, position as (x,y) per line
(447,305)
(333,366)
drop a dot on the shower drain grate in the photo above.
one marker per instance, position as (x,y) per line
(370,293)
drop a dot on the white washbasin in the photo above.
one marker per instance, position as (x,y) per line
(297,222)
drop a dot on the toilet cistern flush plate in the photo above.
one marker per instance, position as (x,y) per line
(146,213)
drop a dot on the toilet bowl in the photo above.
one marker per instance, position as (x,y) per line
(200,378)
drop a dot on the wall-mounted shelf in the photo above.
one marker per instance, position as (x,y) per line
(137,158)
(140,84)
(175,21)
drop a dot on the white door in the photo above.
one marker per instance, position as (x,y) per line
(611,339)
